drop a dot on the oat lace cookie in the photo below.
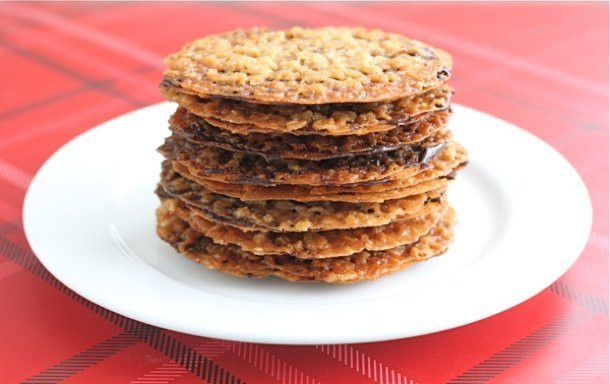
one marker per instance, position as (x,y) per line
(326,119)
(289,215)
(312,245)
(305,147)
(308,154)
(360,266)
(243,168)
(397,189)
(442,170)
(307,66)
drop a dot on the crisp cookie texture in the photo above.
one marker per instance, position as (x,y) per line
(321,193)
(360,266)
(305,147)
(242,168)
(311,245)
(307,66)
(328,119)
(288,215)
(442,169)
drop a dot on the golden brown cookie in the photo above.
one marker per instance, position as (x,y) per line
(360,266)
(305,147)
(242,168)
(329,119)
(441,171)
(307,66)
(353,194)
(311,245)
(289,215)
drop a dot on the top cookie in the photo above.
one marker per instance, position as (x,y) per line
(307,66)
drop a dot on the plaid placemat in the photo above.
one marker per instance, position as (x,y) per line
(67,67)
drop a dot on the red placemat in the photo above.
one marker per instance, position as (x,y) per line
(68,66)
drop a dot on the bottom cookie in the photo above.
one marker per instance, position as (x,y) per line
(360,266)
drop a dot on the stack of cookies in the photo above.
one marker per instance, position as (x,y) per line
(308,154)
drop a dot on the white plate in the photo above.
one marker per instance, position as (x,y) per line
(524,217)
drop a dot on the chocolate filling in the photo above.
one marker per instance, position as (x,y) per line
(245,168)
(306,147)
